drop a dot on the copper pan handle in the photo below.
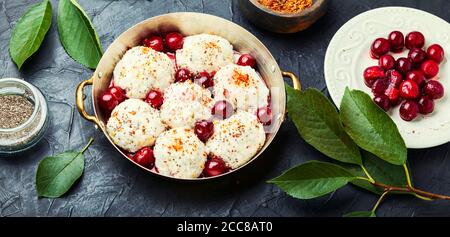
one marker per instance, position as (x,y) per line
(80,102)
(294,78)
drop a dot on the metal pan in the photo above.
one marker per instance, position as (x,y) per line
(189,23)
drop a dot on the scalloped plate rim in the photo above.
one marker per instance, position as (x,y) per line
(406,129)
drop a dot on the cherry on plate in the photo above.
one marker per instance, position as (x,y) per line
(434,89)
(382,101)
(386,62)
(154,42)
(436,53)
(393,94)
(246,60)
(215,166)
(380,86)
(430,68)
(155,99)
(417,56)
(417,76)
(409,110)
(426,105)
(414,39)
(204,79)
(145,157)
(380,47)
(222,109)
(174,41)
(397,41)
(409,89)
(264,115)
(107,101)
(371,74)
(182,75)
(204,129)
(394,77)
(403,65)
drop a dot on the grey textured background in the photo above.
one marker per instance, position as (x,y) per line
(111,186)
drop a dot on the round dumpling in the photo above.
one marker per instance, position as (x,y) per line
(242,87)
(204,52)
(180,154)
(185,103)
(142,69)
(236,139)
(134,124)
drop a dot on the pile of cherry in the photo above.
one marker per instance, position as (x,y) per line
(411,81)
(204,129)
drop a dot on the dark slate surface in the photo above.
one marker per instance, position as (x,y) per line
(111,186)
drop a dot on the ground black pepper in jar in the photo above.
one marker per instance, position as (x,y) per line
(23,115)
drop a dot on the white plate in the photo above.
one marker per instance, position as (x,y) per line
(348,55)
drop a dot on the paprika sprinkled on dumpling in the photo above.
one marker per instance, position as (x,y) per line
(236,139)
(241,86)
(134,124)
(204,52)
(179,153)
(142,69)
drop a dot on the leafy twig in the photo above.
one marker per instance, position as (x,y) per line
(380,199)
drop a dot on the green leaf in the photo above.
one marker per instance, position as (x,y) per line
(56,175)
(360,214)
(317,121)
(381,171)
(77,34)
(29,32)
(313,179)
(371,128)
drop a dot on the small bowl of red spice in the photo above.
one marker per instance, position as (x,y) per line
(283,16)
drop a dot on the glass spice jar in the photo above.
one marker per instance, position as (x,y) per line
(32,130)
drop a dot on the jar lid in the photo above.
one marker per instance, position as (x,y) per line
(31,131)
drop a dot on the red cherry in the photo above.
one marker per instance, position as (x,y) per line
(155,99)
(387,62)
(382,101)
(417,56)
(416,76)
(371,74)
(435,52)
(434,89)
(430,68)
(403,65)
(118,93)
(396,40)
(145,157)
(409,110)
(393,94)
(215,166)
(409,89)
(107,101)
(394,77)
(204,79)
(380,47)
(222,109)
(174,41)
(414,39)
(204,130)
(182,75)
(380,86)
(426,105)
(264,115)
(246,60)
(154,42)
(372,55)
